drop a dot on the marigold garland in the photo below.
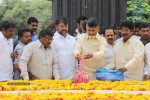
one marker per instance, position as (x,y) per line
(73,96)
(68,85)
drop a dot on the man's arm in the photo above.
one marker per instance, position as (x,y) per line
(55,68)
(147,64)
(16,60)
(25,57)
(112,63)
(138,56)
(77,50)
(101,53)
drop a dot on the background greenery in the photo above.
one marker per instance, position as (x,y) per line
(132,5)
(20,10)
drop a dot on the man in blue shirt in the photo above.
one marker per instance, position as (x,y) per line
(32,24)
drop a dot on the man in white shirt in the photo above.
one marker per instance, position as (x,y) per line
(32,24)
(64,45)
(6,48)
(147,62)
(38,60)
(128,54)
(24,38)
(144,33)
(80,21)
(110,37)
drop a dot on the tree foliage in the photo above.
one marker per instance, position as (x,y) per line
(138,10)
(20,10)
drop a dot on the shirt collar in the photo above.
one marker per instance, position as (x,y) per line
(129,40)
(108,45)
(146,42)
(92,37)
(21,43)
(41,45)
(57,35)
(1,35)
(78,33)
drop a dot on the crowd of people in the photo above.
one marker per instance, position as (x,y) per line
(55,54)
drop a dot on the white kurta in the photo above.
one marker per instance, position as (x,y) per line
(6,62)
(64,50)
(40,62)
(147,59)
(92,44)
(108,54)
(131,56)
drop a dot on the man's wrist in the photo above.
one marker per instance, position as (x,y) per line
(125,68)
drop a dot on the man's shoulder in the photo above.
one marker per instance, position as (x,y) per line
(147,45)
(1,36)
(137,41)
(71,37)
(19,46)
(101,38)
(33,44)
(82,36)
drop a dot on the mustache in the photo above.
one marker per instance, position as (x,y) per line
(110,39)
(33,29)
(30,40)
(63,31)
(123,34)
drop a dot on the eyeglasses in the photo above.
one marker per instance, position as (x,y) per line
(126,31)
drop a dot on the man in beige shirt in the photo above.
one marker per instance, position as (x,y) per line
(91,46)
(128,54)
(38,60)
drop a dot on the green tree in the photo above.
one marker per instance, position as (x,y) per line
(138,10)
(20,10)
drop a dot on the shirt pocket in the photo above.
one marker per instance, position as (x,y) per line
(96,46)
(129,54)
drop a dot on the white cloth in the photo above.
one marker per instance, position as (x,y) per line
(78,33)
(147,59)
(6,62)
(92,44)
(130,55)
(134,36)
(19,48)
(64,50)
(108,54)
(40,62)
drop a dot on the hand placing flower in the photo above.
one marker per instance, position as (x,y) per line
(78,57)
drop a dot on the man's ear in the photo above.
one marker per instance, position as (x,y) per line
(39,37)
(132,31)
(56,27)
(77,25)
(3,29)
(98,28)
